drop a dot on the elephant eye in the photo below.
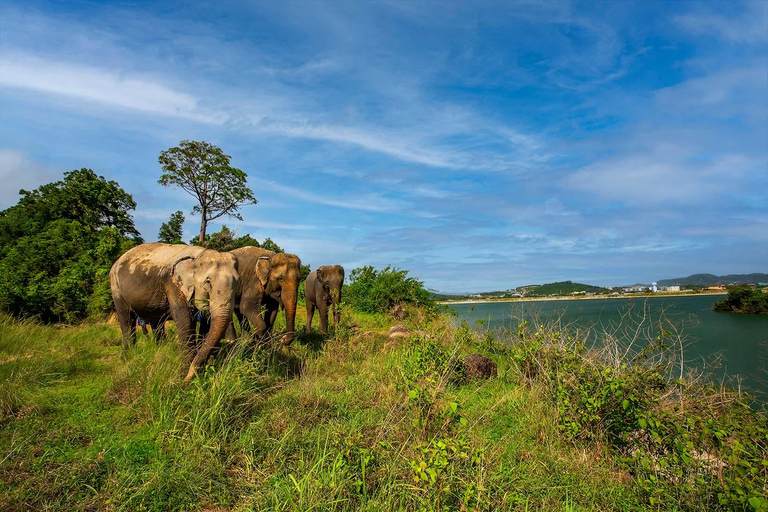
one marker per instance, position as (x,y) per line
(207,285)
(280,279)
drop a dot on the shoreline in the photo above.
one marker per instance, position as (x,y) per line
(570,297)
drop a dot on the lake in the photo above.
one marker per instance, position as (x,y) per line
(742,340)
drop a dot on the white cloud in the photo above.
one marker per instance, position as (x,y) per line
(751,26)
(109,87)
(663,176)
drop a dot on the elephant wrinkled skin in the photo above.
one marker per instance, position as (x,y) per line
(323,289)
(157,281)
(268,281)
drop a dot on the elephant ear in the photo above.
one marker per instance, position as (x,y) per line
(263,268)
(184,277)
(321,274)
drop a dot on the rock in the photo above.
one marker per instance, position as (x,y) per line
(398,312)
(396,333)
(479,367)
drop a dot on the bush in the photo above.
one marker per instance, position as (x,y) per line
(743,299)
(377,291)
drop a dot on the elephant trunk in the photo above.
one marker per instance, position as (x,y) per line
(290,299)
(218,327)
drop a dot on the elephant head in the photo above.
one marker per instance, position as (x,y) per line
(208,284)
(331,278)
(279,275)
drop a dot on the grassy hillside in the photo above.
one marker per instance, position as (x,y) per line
(713,280)
(563,288)
(353,422)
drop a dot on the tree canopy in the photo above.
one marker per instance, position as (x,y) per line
(58,243)
(203,171)
(226,240)
(172,231)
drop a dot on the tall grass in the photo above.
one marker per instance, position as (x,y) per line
(338,422)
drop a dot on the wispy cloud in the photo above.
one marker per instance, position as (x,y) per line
(370,202)
(112,88)
(750,25)
(19,171)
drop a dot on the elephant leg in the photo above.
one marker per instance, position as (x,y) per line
(323,310)
(127,320)
(310,314)
(185,326)
(253,315)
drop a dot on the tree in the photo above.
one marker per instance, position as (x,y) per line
(172,231)
(203,171)
(58,243)
(226,240)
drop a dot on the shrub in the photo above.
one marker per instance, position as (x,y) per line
(377,291)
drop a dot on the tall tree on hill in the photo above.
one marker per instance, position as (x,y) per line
(172,231)
(203,171)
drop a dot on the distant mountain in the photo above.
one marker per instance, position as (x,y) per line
(713,280)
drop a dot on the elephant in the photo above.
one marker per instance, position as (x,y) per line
(268,281)
(157,281)
(323,289)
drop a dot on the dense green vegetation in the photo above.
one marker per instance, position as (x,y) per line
(58,244)
(354,422)
(744,299)
(377,291)
(562,288)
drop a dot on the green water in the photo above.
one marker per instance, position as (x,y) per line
(741,340)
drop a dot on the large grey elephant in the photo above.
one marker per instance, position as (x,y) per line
(323,289)
(158,281)
(268,281)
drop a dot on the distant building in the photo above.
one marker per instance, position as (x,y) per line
(675,288)
(655,288)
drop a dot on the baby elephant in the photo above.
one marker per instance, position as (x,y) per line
(323,288)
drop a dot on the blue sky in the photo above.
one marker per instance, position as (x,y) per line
(480,145)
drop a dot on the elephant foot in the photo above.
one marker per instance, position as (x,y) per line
(286,340)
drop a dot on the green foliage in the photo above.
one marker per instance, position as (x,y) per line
(744,299)
(377,291)
(226,240)
(58,244)
(172,231)
(203,171)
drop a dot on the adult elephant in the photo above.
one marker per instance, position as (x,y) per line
(158,281)
(268,281)
(323,289)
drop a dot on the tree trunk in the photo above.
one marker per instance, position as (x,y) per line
(203,224)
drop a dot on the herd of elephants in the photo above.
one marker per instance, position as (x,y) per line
(192,285)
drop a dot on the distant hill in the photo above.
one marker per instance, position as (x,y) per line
(563,288)
(713,280)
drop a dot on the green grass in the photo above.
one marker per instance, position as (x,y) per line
(330,423)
